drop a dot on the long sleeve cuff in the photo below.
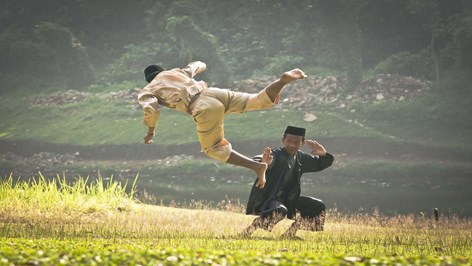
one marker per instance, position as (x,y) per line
(150,117)
(194,68)
(151,109)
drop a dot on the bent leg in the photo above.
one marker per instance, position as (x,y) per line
(238,159)
(312,212)
(268,219)
(312,216)
(310,207)
(209,114)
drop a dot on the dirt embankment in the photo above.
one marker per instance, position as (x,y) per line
(302,95)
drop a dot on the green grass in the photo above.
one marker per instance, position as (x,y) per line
(431,120)
(41,222)
(93,121)
(99,120)
(117,252)
(435,118)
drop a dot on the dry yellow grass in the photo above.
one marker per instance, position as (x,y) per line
(213,229)
(106,213)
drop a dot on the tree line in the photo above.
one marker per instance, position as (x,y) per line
(76,43)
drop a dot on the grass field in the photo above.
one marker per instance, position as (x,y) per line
(99,120)
(51,222)
(407,157)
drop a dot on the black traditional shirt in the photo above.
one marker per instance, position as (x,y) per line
(283,180)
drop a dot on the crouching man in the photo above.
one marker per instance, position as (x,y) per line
(280,197)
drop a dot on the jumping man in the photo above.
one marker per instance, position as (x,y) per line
(177,89)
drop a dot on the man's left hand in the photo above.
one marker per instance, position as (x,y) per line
(316,148)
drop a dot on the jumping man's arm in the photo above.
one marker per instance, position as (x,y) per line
(195,68)
(151,115)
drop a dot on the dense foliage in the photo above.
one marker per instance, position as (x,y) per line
(77,43)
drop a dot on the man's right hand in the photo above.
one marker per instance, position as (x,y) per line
(267,156)
(148,138)
(266,160)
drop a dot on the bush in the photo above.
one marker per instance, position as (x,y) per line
(24,62)
(70,58)
(404,63)
(131,64)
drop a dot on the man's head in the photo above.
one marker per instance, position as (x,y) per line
(151,72)
(293,139)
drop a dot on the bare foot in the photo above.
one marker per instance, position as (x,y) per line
(292,75)
(261,175)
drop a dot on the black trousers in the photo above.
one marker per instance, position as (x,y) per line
(308,207)
(312,215)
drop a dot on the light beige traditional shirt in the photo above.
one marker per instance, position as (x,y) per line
(173,88)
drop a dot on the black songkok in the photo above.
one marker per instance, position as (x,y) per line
(151,71)
(297,131)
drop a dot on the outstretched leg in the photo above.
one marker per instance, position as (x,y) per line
(274,89)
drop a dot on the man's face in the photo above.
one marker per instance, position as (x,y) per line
(292,143)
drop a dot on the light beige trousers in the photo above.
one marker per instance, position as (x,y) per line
(209,111)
